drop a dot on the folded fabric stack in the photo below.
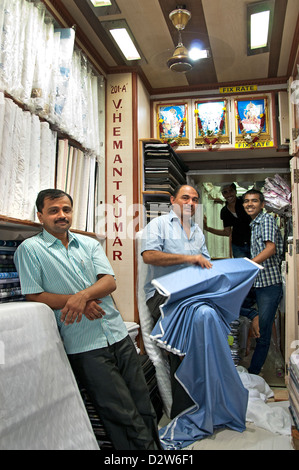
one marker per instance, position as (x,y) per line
(10,288)
(234,342)
(156,208)
(278,196)
(293,388)
(150,377)
(163,168)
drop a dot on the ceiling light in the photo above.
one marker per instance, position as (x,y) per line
(259,29)
(125,43)
(196,53)
(101,3)
(259,26)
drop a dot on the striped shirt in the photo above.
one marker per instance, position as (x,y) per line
(45,265)
(165,233)
(263,229)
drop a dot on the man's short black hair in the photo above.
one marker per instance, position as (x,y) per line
(50,194)
(254,191)
(229,185)
(177,189)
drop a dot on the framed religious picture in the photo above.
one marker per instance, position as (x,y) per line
(211,123)
(252,120)
(172,123)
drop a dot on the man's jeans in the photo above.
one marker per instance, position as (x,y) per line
(267,299)
(241,251)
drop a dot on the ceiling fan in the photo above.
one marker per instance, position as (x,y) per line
(181,60)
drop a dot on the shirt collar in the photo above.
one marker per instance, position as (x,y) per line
(258,218)
(50,239)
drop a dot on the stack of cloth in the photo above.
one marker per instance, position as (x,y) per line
(278,196)
(150,377)
(102,439)
(234,342)
(10,288)
(293,388)
(155,208)
(163,168)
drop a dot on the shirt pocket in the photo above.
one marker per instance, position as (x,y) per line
(88,270)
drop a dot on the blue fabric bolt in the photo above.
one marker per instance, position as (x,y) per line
(195,323)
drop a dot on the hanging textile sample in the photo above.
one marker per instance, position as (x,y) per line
(195,324)
(6,150)
(76,175)
(30,19)
(67,41)
(15,199)
(47,156)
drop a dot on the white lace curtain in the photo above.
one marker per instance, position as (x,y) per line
(27,159)
(40,68)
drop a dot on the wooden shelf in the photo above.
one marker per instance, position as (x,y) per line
(156,193)
(12,223)
(28,225)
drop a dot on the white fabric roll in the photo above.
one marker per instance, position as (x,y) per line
(6,154)
(34,167)
(41,406)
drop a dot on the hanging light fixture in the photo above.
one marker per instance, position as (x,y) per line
(180,61)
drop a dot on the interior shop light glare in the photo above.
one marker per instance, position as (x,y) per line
(125,43)
(259,29)
(101,3)
(195,53)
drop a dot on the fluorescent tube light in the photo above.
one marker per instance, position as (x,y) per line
(101,3)
(125,43)
(259,26)
(195,53)
(259,29)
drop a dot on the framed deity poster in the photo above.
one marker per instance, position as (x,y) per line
(211,123)
(172,123)
(252,120)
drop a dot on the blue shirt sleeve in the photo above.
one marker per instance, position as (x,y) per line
(152,236)
(100,261)
(29,269)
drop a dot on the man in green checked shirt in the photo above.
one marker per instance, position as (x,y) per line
(71,274)
(266,248)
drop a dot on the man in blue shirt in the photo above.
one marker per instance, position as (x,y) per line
(171,242)
(267,250)
(71,274)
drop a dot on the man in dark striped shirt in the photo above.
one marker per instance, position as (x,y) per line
(266,250)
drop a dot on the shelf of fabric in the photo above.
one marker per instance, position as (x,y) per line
(163,168)
(10,288)
(161,171)
(293,388)
(29,228)
(156,203)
